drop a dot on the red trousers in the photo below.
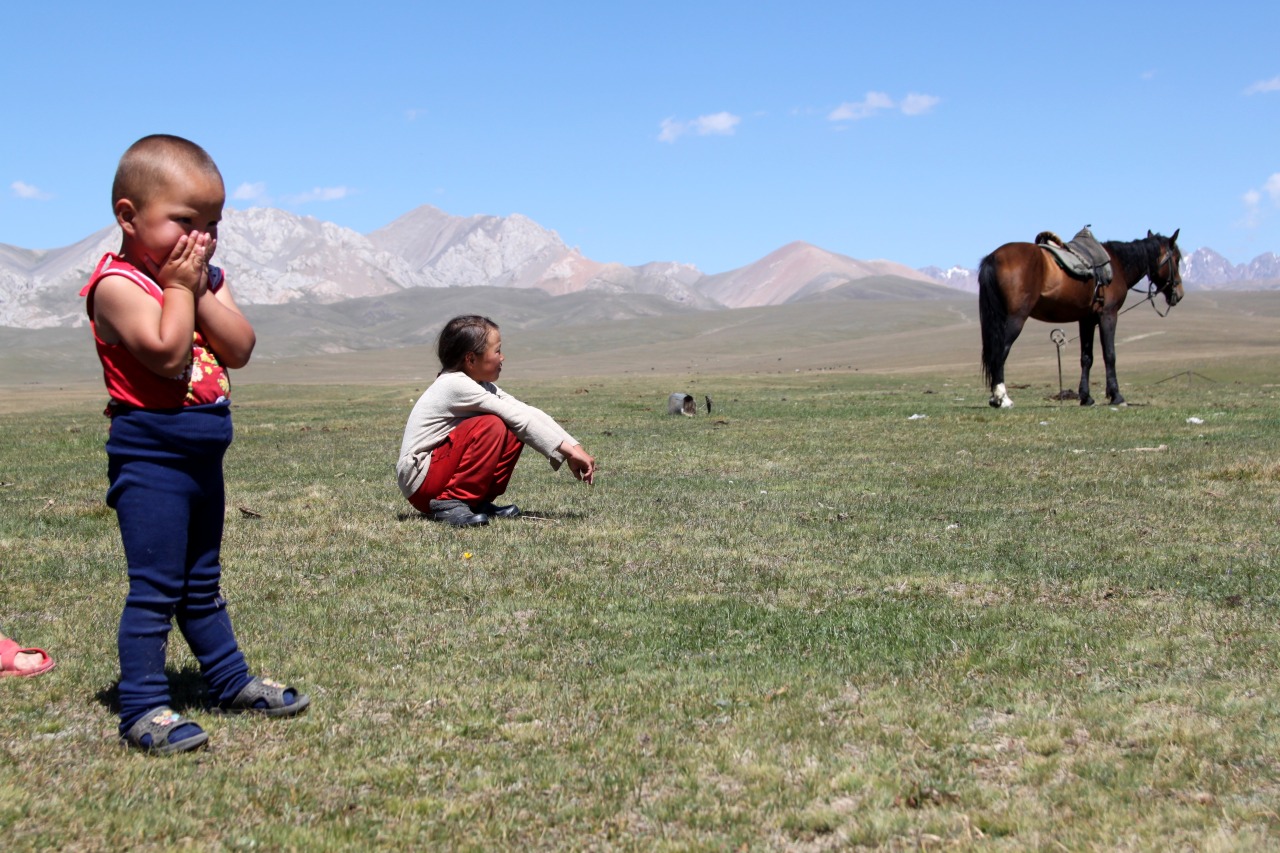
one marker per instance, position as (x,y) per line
(474,464)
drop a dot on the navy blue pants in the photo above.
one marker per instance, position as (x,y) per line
(165,472)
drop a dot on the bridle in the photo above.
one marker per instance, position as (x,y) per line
(1154,287)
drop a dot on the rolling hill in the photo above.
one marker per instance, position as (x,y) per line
(369,341)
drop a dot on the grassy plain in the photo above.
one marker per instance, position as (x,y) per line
(852,606)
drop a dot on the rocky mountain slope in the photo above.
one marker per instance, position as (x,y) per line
(793,272)
(961,278)
(278,258)
(515,251)
(1205,269)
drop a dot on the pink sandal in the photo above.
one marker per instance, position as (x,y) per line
(9,650)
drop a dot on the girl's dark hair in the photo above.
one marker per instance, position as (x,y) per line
(461,335)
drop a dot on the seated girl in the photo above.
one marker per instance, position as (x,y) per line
(465,434)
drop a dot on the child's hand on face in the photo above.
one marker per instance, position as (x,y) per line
(187,265)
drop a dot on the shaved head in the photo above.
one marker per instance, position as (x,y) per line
(153,161)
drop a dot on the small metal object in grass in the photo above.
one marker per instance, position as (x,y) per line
(681,404)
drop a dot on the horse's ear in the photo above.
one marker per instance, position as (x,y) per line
(1149,234)
(1174,238)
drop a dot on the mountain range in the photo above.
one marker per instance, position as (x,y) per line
(278,258)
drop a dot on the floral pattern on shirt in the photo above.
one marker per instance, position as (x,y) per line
(207,379)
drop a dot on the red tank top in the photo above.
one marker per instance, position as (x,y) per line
(129,381)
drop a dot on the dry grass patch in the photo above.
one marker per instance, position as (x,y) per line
(818,625)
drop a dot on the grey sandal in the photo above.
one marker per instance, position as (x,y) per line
(266,697)
(160,723)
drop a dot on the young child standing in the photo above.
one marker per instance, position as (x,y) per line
(465,434)
(166,330)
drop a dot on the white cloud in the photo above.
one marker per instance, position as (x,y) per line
(1253,198)
(22,189)
(251,192)
(717,124)
(671,130)
(413,114)
(1262,86)
(321,194)
(914,104)
(714,124)
(867,107)
(1272,188)
(917,105)
(1252,203)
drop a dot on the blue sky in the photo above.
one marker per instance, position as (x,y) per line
(709,133)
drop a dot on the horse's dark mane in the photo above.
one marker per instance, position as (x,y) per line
(1137,256)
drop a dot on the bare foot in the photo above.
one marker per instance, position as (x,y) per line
(15,660)
(25,662)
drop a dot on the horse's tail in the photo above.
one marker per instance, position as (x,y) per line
(992,314)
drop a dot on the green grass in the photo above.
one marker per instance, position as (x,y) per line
(807,621)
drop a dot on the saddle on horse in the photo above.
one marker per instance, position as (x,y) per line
(1083,258)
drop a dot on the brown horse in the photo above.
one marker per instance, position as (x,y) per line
(1021,280)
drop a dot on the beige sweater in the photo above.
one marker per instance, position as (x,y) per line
(453,398)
